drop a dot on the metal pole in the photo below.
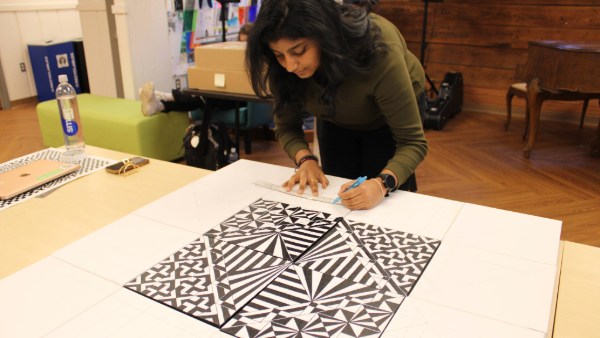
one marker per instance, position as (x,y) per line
(224,10)
(424,45)
(424,35)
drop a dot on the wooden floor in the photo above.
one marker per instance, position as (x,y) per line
(472,160)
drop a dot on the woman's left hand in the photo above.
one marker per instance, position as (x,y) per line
(310,174)
(365,196)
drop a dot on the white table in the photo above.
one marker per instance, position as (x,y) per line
(494,274)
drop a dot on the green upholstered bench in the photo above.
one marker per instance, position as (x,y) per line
(118,124)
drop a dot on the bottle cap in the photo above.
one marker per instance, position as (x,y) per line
(63,78)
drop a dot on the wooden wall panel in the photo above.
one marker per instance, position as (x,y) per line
(486,40)
(528,2)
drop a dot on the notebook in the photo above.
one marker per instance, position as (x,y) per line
(32,175)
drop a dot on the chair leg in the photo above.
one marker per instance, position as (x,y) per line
(526,122)
(526,119)
(509,96)
(266,132)
(585,105)
(247,142)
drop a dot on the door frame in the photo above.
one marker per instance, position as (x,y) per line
(4,98)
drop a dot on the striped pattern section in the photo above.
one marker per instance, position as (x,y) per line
(246,217)
(274,228)
(287,241)
(371,255)
(334,256)
(302,302)
(208,279)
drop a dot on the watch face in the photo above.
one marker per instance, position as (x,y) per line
(388,181)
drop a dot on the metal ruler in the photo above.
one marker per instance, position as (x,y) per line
(307,193)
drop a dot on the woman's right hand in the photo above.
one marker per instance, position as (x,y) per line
(309,173)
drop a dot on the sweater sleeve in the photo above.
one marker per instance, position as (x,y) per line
(289,133)
(395,96)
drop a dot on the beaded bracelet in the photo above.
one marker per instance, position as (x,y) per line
(305,158)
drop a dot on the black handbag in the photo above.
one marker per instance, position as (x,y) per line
(210,152)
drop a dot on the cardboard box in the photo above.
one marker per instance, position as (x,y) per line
(220,67)
(224,55)
(229,81)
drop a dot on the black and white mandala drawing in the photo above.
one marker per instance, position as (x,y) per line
(273,269)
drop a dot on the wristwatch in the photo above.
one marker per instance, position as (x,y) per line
(389,182)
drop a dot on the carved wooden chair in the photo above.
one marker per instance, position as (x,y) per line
(519,89)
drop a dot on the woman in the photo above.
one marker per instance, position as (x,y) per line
(353,71)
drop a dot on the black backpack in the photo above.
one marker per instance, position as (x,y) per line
(217,150)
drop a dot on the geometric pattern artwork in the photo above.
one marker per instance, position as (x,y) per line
(208,279)
(386,259)
(274,269)
(302,302)
(274,228)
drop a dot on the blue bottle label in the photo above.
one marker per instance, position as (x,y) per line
(70,127)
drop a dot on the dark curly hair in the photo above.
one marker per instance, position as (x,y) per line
(344,33)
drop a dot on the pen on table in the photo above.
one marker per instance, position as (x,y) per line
(358,182)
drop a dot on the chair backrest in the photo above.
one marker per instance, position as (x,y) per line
(258,114)
(254,115)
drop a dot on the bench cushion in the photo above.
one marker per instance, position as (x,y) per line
(118,124)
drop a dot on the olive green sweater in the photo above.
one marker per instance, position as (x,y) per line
(386,95)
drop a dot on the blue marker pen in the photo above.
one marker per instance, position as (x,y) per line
(358,182)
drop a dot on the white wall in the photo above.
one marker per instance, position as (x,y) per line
(142,35)
(98,47)
(31,21)
(37,4)
(142,31)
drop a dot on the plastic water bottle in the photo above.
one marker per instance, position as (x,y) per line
(70,120)
(233,155)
